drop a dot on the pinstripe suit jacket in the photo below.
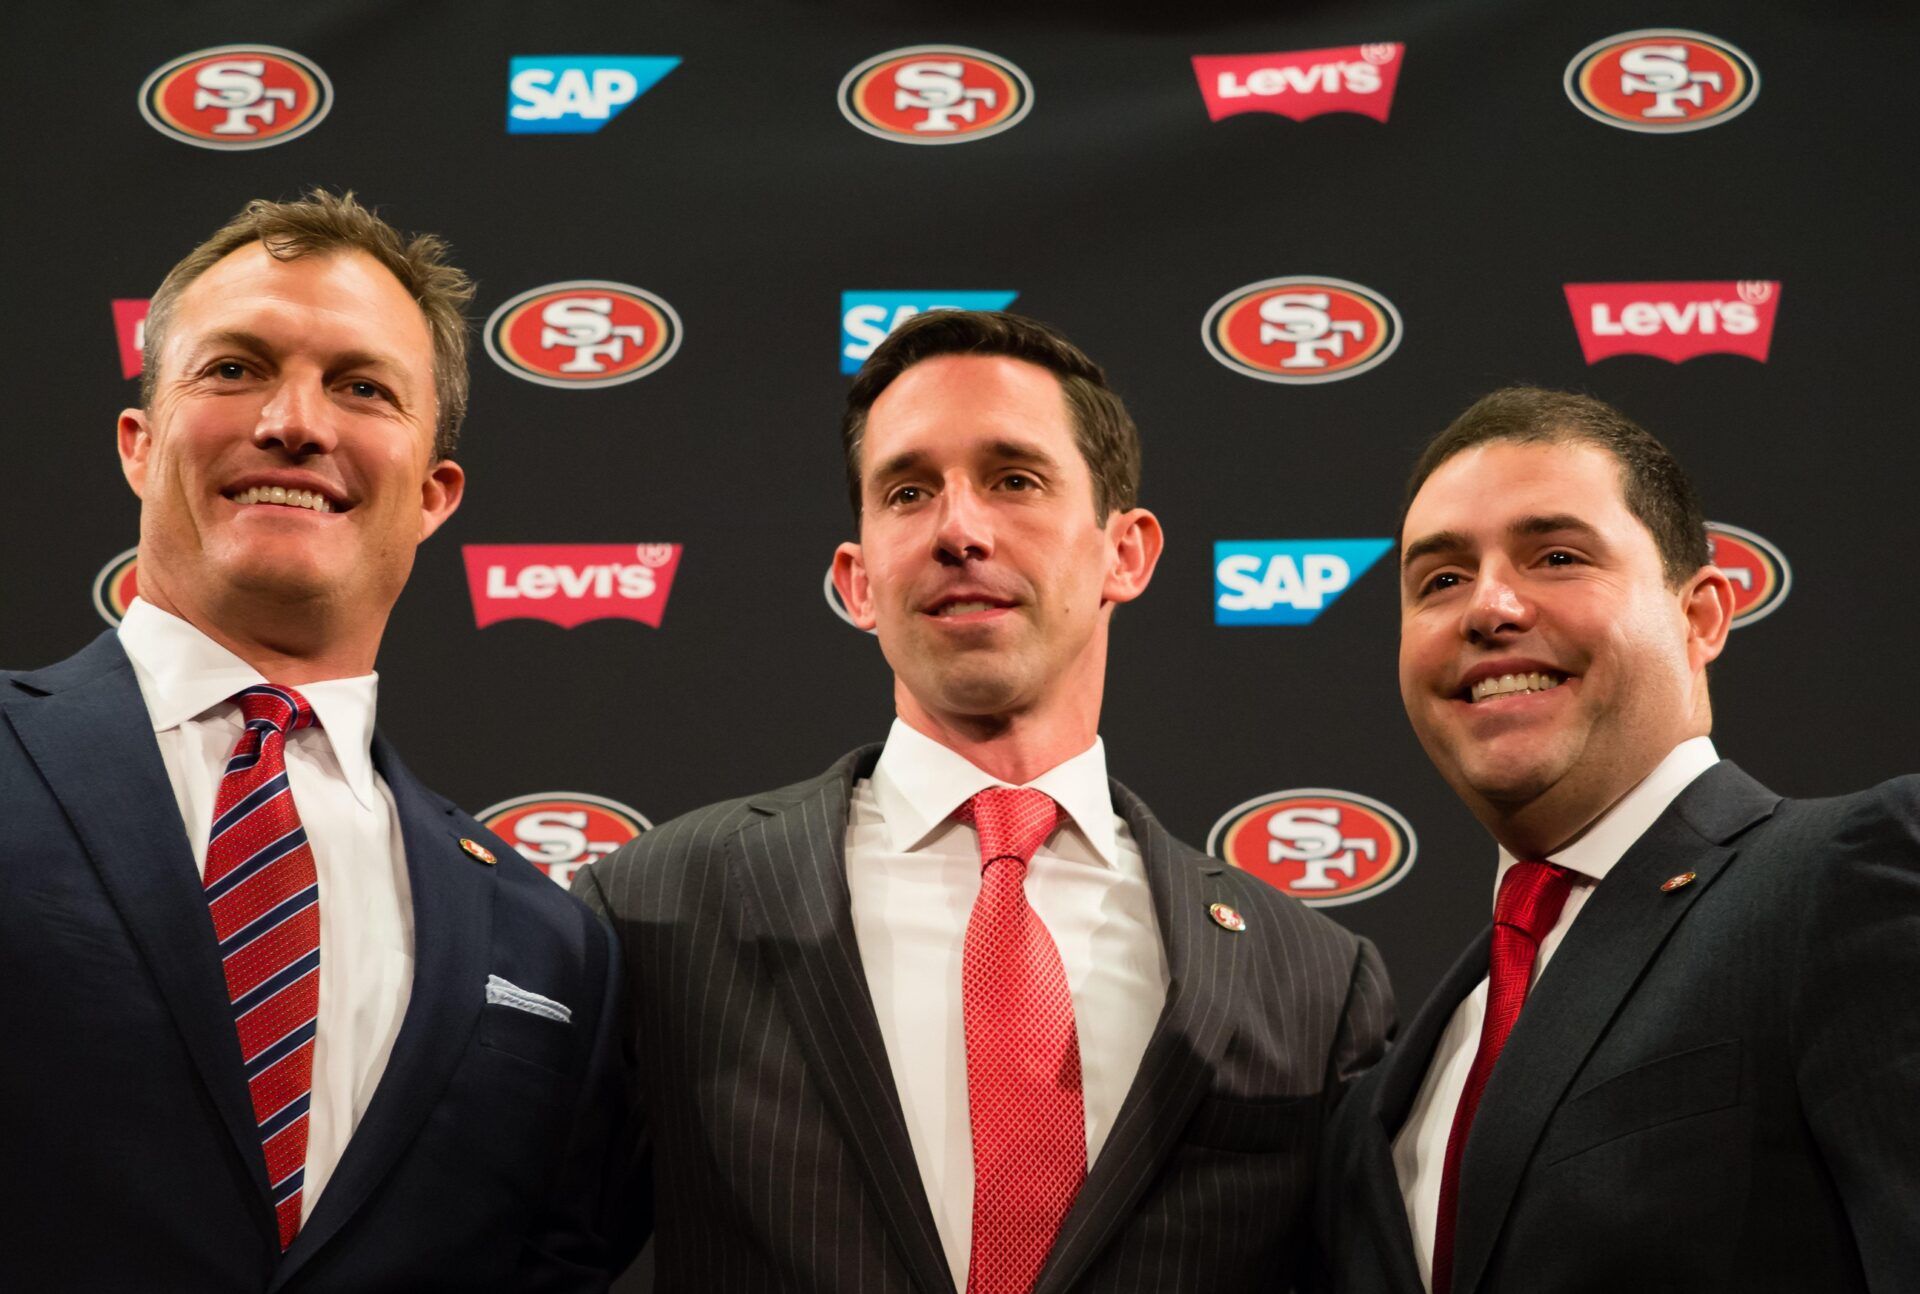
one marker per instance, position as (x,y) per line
(774,1155)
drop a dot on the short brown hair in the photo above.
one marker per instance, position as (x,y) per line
(1655,489)
(323,223)
(1102,428)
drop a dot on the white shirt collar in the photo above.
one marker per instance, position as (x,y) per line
(918,783)
(1615,831)
(183,674)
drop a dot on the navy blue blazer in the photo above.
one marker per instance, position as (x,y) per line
(128,1155)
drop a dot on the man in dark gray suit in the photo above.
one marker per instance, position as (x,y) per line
(1714,1081)
(959,1013)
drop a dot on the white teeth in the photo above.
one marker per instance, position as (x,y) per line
(963,608)
(1507,684)
(309,499)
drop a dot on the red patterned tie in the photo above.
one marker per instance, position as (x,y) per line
(1023,1054)
(265,901)
(1531,896)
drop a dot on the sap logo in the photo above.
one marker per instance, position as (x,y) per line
(867,317)
(1662,81)
(116,586)
(130,329)
(583,333)
(935,94)
(560,832)
(1323,847)
(570,584)
(1301,330)
(1303,84)
(1758,569)
(576,94)
(1674,321)
(1286,581)
(236,97)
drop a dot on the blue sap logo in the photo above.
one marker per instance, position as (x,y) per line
(576,94)
(1285,581)
(867,317)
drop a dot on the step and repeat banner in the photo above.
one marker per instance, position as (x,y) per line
(1301,238)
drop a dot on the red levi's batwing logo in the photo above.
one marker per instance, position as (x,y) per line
(1674,321)
(1301,84)
(130,327)
(570,584)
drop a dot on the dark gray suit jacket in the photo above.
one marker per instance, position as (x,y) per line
(773,1152)
(1713,1088)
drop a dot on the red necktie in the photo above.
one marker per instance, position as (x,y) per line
(265,901)
(1531,896)
(1023,1054)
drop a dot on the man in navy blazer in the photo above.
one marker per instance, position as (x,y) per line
(305,376)
(1711,1081)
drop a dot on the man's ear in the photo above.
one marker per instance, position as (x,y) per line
(440,494)
(1707,602)
(135,440)
(1137,540)
(850,582)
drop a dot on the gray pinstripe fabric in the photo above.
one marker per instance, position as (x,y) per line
(774,1151)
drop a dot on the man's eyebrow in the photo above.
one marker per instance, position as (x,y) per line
(1440,541)
(905,461)
(1552,524)
(1017,451)
(1453,541)
(253,343)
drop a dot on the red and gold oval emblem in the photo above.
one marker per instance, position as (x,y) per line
(117,584)
(1301,329)
(935,94)
(1321,846)
(583,333)
(1662,81)
(1759,571)
(562,831)
(236,97)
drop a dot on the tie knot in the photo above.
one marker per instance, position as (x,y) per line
(273,706)
(1011,822)
(1531,896)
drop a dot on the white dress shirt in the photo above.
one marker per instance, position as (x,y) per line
(366,908)
(914,872)
(1420,1151)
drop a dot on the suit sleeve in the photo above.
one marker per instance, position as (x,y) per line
(1858,1033)
(1366,1025)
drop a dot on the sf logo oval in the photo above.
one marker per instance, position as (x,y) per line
(1662,81)
(236,97)
(935,94)
(1321,846)
(115,587)
(562,831)
(1301,330)
(1759,571)
(583,333)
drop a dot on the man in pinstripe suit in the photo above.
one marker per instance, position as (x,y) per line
(806,1016)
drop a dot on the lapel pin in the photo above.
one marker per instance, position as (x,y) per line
(1673,883)
(478,850)
(1227,918)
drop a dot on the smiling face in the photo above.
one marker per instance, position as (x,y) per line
(286,455)
(980,562)
(1545,663)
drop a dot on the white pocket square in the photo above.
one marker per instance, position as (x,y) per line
(506,993)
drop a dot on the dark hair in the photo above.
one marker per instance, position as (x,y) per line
(1105,434)
(323,223)
(1654,487)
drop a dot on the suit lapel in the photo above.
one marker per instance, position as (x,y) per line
(1619,931)
(452,896)
(93,742)
(792,865)
(1202,967)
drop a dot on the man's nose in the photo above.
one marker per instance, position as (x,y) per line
(966,523)
(1497,608)
(297,417)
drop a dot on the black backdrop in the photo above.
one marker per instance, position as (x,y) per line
(736,190)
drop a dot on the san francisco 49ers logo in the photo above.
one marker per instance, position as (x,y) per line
(1301,330)
(1759,571)
(935,94)
(115,587)
(562,831)
(583,333)
(1662,81)
(236,97)
(1323,847)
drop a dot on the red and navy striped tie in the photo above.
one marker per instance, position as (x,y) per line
(265,900)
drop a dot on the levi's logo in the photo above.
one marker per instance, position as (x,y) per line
(1674,321)
(1302,84)
(130,327)
(570,584)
